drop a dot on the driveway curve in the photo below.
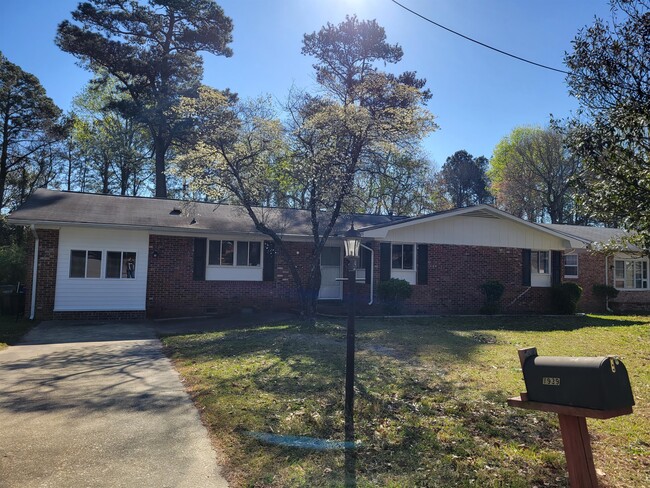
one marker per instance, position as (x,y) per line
(98,405)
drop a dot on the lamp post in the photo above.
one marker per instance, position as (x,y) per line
(351,241)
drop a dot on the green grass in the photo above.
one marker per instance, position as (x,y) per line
(11,330)
(431,400)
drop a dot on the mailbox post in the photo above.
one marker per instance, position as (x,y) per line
(572,412)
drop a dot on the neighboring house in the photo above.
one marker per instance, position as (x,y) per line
(111,257)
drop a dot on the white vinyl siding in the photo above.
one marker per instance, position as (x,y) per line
(473,231)
(101,289)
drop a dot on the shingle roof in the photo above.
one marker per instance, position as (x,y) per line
(587,234)
(49,207)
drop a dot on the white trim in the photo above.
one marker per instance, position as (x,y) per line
(381,231)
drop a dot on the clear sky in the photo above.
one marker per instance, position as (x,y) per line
(479,96)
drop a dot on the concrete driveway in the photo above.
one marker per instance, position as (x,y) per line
(98,405)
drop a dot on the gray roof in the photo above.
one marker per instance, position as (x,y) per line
(588,234)
(49,207)
(56,208)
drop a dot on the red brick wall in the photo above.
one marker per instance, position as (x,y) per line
(48,250)
(172,291)
(455,274)
(591,271)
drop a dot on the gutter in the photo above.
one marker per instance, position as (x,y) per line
(34,273)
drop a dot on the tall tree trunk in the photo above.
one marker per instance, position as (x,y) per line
(161,179)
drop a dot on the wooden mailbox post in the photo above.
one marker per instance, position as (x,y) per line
(573,425)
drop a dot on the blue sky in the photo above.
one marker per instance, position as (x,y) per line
(479,96)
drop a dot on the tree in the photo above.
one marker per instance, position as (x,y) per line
(152,49)
(28,127)
(396,183)
(609,75)
(532,175)
(326,142)
(464,179)
(115,148)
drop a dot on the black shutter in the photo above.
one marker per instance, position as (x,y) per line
(556,267)
(385,260)
(200,251)
(268,271)
(367,261)
(525,259)
(422,276)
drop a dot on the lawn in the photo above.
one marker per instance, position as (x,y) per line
(431,400)
(11,330)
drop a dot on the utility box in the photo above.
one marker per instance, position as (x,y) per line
(598,383)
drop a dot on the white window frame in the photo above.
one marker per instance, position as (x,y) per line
(401,267)
(85,276)
(567,266)
(234,264)
(537,278)
(409,274)
(641,263)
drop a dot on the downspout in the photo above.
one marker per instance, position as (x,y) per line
(34,273)
(372,271)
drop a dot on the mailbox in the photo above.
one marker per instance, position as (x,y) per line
(599,383)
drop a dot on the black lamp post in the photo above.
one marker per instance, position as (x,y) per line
(351,241)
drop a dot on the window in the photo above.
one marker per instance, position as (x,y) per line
(330,256)
(231,253)
(539,262)
(120,264)
(402,256)
(631,274)
(85,264)
(571,266)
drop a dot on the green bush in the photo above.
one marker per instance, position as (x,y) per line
(566,296)
(604,291)
(493,291)
(12,264)
(392,294)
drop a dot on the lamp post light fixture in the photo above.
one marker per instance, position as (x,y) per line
(351,242)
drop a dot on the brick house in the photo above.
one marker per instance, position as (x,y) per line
(110,257)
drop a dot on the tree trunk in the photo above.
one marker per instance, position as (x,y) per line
(161,179)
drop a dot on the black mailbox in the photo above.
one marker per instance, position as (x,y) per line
(599,383)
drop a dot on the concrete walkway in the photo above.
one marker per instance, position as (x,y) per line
(98,406)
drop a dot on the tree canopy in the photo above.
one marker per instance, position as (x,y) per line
(329,140)
(610,77)
(532,175)
(464,180)
(153,50)
(28,128)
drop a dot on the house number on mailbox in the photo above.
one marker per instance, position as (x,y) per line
(550,381)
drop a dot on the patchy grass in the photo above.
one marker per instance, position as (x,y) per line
(11,330)
(430,407)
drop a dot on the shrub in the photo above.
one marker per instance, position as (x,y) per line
(392,293)
(493,290)
(604,292)
(566,296)
(12,264)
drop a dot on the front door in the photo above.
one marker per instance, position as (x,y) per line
(330,270)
